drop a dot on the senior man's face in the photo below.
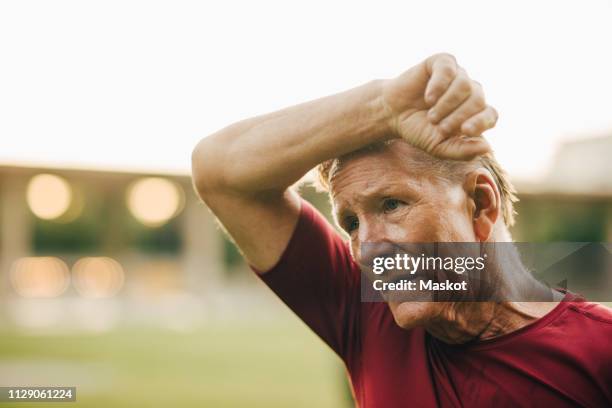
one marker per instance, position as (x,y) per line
(393,196)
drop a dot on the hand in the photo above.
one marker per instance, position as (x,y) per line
(435,106)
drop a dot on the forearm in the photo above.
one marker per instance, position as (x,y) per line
(273,151)
(243,171)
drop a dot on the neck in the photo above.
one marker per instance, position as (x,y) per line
(519,300)
(474,321)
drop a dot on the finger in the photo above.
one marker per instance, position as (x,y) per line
(442,69)
(462,148)
(480,122)
(458,91)
(474,104)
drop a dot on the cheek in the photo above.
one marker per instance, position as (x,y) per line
(398,230)
(457,222)
(439,223)
(459,227)
(425,224)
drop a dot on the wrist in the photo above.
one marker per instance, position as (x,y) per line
(388,117)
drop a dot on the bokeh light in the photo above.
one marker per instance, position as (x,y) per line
(97,277)
(154,201)
(48,196)
(39,277)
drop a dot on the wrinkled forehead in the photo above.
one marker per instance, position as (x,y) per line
(390,162)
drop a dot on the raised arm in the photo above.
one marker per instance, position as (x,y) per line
(244,172)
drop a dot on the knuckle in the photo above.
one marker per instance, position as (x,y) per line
(478,90)
(463,85)
(494,113)
(447,55)
(435,89)
(479,103)
(447,71)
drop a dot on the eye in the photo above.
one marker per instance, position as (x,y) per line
(391,204)
(351,224)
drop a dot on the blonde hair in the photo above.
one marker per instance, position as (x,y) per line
(507,192)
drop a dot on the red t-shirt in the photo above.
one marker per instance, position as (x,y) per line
(563,359)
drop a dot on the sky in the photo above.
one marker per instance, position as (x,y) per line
(130,85)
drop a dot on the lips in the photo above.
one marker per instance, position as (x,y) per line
(416,294)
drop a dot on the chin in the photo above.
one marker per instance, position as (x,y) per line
(409,315)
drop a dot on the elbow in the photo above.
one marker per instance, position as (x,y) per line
(204,172)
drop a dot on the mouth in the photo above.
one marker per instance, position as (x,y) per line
(417,292)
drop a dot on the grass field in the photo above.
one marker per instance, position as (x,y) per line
(271,365)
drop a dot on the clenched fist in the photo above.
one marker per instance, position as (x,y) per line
(435,106)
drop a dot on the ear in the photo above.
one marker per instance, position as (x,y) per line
(484,202)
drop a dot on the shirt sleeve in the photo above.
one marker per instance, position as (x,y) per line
(317,278)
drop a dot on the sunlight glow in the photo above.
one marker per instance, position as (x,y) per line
(154,201)
(49,196)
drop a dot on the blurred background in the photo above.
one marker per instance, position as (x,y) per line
(115,279)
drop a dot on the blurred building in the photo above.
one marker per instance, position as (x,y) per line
(574,201)
(583,166)
(77,239)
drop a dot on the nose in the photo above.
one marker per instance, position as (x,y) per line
(371,240)
(368,251)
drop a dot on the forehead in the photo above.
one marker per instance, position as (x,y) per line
(394,164)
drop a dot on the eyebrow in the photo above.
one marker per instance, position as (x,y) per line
(386,190)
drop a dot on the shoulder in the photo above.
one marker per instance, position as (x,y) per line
(577,327)
(599,315)
(587,329)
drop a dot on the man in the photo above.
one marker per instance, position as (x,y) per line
(404,161)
